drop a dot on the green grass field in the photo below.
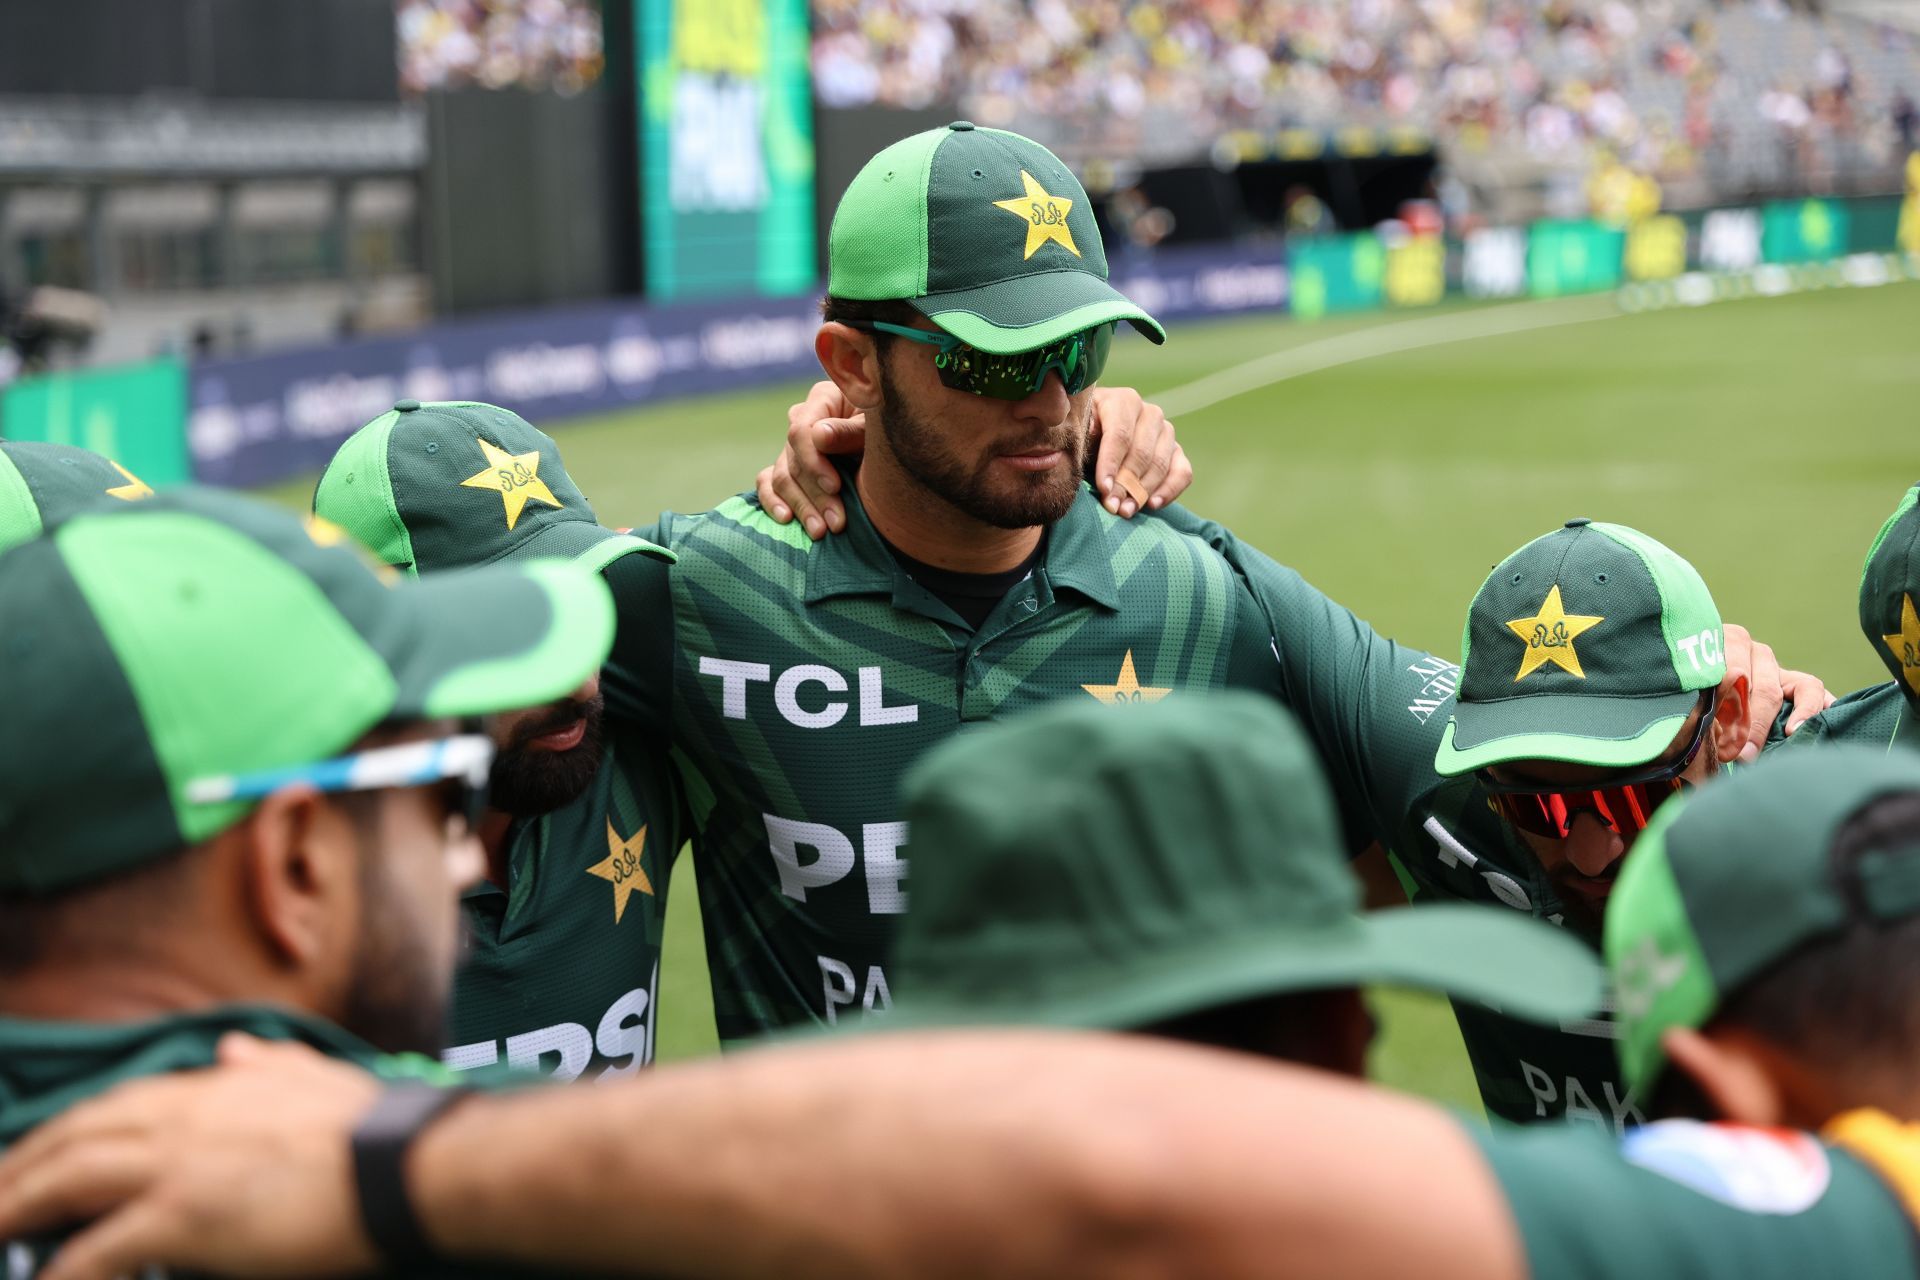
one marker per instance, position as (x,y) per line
(1765,440)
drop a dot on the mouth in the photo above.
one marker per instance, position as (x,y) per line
(1042,459)
(565,738)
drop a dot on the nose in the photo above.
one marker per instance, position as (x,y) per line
(588,688)
(1047,405)
(1593,846)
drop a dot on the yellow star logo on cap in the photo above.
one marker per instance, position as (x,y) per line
(133,490)
(622,868)
(1549,636)
(514,476)
(1045,216)
(1127,689)
(1904,644)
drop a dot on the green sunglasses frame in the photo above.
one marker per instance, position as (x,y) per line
(1013,376)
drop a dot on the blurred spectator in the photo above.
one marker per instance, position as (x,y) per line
(537,44)
(1667,86)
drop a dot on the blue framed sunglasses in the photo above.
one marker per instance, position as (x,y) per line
(463,760)
(1079,359)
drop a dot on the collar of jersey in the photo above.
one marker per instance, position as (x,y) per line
(856,562)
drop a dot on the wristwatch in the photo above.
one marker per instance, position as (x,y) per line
(380,1145)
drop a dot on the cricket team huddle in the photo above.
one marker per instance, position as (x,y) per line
(1046,836)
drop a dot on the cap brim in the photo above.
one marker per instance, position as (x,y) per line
(1604,732)
(1030,311)
(585,543)
(474,642)
(1518,965)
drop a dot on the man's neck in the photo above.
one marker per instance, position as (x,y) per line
(931,529)
(116,992)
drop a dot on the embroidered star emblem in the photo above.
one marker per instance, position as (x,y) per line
(622,868)
(1127,688)
(1904,644)
(133,490)
(514,476)
(1549,636)
(1045,216)
(1646,974)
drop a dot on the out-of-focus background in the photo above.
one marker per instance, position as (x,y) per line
(1439,273)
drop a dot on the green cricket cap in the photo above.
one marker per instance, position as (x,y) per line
(42,484)
(451,484)
(1888,584)
(1081,868)
(1589,645)
(200,634)
(987,233)
(1730,880)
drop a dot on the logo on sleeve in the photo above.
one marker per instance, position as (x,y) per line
(1126,688)
(1549,636)
(622,868)
(1045,216)
(514,476)
(1904,644)
(1778,1171)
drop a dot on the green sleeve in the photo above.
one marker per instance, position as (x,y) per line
(1376,709)
(1734,1204)
(1873,717)
(637,681)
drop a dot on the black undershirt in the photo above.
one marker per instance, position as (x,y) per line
(971,595)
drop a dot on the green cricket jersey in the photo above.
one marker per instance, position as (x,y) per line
(1377,710)
(1877,716)
(561,971)
(1681,1198)
(798,681)
(48,1066)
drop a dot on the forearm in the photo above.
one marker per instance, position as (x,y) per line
(1008,1154)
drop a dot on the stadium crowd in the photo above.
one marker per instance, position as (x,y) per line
(1152,779)
(491,44)
(1668,86)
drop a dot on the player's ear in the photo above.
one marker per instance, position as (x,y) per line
(1730,720)
(1730,1073)
(298,856)
(852,361)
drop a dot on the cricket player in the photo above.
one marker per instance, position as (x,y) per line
(1883,715)
(561,968)
(969,313)
(238,791)
(1763,941)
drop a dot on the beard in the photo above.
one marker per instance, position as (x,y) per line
(527,781)
(972,486)
(401,982)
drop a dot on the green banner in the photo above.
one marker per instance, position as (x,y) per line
(1573,256)
(1804,230)
(1336,273)
(135,414)
(726,137)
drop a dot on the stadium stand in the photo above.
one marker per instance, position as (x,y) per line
(1716,97)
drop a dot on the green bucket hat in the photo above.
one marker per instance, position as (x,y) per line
(450,484)
(1887,588)
(1727,881)
(1588,645)
(1084,869)
(987,233)
(42,484)
(199,635)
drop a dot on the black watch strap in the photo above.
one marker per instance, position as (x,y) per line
(380,1144)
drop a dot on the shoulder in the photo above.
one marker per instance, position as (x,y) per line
(1869,717)
(1682,1197)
